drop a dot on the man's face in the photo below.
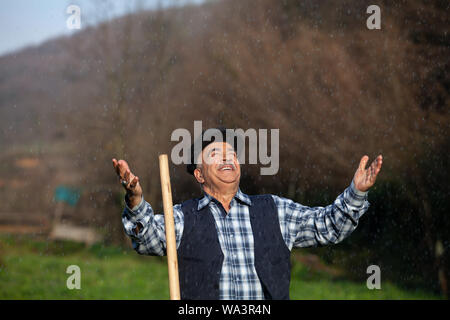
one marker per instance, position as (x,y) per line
(219,165)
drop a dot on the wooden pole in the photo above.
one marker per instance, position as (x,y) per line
(172,261)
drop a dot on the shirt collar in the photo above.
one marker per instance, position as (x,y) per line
(207,198)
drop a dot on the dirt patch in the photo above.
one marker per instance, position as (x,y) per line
(314,263)
(27,163)
(22,229)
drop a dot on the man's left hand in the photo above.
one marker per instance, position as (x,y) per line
(365,178)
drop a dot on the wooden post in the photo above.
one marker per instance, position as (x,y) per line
(172,261)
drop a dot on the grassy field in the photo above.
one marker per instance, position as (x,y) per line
(36,269)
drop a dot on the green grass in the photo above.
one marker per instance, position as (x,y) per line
(36,269)
(308,284)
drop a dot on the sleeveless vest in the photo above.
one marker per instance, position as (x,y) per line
(200,256)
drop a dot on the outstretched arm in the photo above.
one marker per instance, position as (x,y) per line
(304,226)
(145,229)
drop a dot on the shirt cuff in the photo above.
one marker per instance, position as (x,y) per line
(356,191)
(136,209)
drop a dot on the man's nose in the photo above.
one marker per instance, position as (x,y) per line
(228,160)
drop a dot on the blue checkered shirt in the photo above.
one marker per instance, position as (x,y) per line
(300,226)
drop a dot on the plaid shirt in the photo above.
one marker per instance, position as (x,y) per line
(300,226)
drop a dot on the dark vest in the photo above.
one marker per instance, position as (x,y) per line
(200,256)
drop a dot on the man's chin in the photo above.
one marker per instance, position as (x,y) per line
(228,177)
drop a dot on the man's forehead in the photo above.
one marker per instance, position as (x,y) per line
(218,146)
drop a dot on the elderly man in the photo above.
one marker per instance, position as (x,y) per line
(232,245)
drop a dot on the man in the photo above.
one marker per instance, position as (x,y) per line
(234,246)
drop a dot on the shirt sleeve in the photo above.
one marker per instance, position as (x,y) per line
(303,226)
(151,239)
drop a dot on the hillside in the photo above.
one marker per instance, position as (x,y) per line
(334,88)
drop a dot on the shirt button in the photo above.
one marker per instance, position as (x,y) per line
(231,235)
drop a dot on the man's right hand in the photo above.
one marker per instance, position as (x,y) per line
(129,181)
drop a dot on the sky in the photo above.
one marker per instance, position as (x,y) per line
(31,22)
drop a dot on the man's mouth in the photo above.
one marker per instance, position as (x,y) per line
(226,167)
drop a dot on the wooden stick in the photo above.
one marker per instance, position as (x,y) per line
(171,245)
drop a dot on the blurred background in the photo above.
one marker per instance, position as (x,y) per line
(71,100)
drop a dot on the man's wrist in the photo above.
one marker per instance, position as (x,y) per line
(133,202)
(356,191)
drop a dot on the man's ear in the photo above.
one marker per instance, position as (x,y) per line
(198,175)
